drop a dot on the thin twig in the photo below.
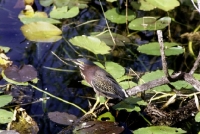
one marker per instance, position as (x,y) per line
(108,26)
(162,52)
(60,58)
(53,96)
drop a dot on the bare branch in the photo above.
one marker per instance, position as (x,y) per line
(196,64)
(162,52)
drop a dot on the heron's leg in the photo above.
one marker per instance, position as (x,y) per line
(106,104)
(95,105)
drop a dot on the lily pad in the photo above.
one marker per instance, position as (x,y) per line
(149,23)
(4,49)
(142,5)
(127,84)
(62,118)
(120,18)
(106,37)
(130,104)
(153,76)
(41,32)
(70,3)
(5,116)
(90,43)
(63,12)
(23,74)
(165,5)
(114,69)
(154,49)
(5,99)
(159,130)
(98,127)
(106,115)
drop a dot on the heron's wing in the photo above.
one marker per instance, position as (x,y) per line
(106,85)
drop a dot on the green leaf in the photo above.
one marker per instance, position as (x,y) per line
(46,3)
(84,82)
(149,23)
(111,0)
(142,5)
(5,116)
(90,43)
(130,104)
(165,5)
(114,69)
(154,49)
(159,130)
(124,77)
(27,20)
(106,37)
(41,32)
(5,99)
(99,64)
(197,117)
(153,76)
(181,84)
(5,49)
(127,84)
(107,115)
(120,18)
(63,12)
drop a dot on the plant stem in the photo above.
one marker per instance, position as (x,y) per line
(58,98)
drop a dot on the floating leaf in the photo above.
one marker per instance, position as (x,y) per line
(63,12)
(154,49)
(114,16)
(114,69)
(142,5)
(70,3)
(46,3)
(28,15)
(41,32)
(111,0)
(153,76)
(124,77)
(5,99)
(90,43)
(197,117)
(165,5)
(4,49)
(27,20)
(127,84)
(130,104)
(62,118)
(98,127)
(108,116)
(23,74)
(106,37)
(178,85)
(5,116)
(149,23)
(159,130)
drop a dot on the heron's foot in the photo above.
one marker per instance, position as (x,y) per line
(91,112)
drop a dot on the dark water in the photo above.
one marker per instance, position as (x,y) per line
(39,55)
(61,84)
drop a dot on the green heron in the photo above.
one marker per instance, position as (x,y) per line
(100,80)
